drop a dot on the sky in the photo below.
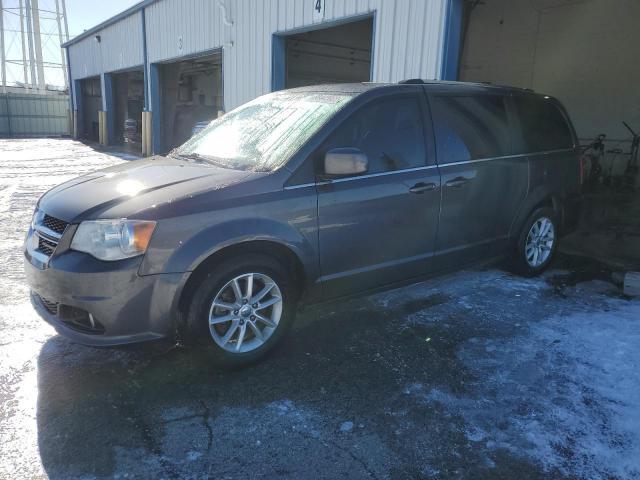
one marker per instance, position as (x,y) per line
(81,15)
(84,14)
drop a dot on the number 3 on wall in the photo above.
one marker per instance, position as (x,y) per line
(318,9)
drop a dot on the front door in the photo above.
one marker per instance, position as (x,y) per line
(380,227)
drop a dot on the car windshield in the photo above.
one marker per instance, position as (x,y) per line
(263,134)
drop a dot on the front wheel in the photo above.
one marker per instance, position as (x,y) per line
(537,243)
(242,309)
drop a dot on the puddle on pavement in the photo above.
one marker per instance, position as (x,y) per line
(580,270)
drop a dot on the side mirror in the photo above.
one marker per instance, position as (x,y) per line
(341,162)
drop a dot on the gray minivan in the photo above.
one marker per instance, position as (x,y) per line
(301,196)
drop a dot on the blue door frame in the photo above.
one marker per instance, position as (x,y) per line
(145,61)
(278,62)
(110,107)
(452,40)
(79,106)
(156,115)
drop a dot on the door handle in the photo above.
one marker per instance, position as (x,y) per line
(422,187)
(457,182)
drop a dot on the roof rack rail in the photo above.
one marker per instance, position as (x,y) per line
(412,81)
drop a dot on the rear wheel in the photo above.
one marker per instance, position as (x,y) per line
(537,243)
(242,309)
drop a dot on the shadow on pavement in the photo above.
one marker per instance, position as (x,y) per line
(609,229)
(330,402)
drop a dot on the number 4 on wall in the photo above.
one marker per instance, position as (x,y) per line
(318,9)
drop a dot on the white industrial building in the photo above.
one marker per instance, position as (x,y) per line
(168,64)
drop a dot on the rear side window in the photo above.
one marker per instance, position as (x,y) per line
(470,127)
(543,125)
(389,131)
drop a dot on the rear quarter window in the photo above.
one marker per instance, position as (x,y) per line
(544,127)
(470,127)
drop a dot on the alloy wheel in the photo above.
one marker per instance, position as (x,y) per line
(539,243)
(245,312)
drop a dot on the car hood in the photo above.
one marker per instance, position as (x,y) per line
(138,184)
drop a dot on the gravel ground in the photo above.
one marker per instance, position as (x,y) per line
(479,375)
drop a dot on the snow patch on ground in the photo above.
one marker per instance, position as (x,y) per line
(566,393)
(464,287)
(28,168)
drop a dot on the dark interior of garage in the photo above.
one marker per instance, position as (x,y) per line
(129,102)
(91,105)
(330,55)
(585,54)
(191,93)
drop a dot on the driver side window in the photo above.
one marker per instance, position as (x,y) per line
(389,131)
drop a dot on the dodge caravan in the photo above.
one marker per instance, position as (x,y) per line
(302,196)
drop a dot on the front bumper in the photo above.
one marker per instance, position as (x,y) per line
(124,307)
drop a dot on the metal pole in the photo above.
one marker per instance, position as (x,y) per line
(38,43)
(24,50)
(3,64)
(64,63)
(72,113)
(32,65)
(64,19)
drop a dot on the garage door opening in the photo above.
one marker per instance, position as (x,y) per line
(91,104)
(128,100)
(329,55)
(191,94)
(584,53)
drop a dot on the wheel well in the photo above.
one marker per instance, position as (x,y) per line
(554,204)
(264,247)
(548,202)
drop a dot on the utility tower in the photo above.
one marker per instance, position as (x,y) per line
(31,32)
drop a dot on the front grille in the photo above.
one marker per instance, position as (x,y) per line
(48,232)
(49,306)
(45,246)
(54,224)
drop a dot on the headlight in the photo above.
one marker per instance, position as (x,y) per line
(38,217)
(113,239)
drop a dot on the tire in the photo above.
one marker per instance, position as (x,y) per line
(229,313)
(534,251)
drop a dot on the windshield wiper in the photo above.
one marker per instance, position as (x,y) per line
(199,158)
(190,156)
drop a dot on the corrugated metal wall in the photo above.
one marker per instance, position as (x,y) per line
(407,43)
(30,115)
(120,47)
(407,35)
